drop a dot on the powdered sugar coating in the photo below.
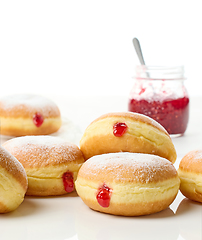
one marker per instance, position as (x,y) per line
(40,141)
(192,161)
(40,151)
(30,100)
(28,103)
(195,155)
(13,166)
(129,167)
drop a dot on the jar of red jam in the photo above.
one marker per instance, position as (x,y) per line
(160,93)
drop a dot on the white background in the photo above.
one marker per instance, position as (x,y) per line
(84,47)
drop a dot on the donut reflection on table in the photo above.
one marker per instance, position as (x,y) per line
(188,209)
(91,225)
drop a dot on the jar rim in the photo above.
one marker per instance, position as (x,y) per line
(160,72)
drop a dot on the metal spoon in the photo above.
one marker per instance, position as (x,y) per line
(138,50)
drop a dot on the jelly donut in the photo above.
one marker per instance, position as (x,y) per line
(190,173)
(127,132)
(50,162)
(13,182)
(128,184)
(24,114)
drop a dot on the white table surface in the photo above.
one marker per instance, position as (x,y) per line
(68,218)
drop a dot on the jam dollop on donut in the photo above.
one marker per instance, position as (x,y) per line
(104,196)
(68,182)
(128,184)
(28,114)
(126,132)
(51,163)
(38,119)
(119,129)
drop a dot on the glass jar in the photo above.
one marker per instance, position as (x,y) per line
(159,93)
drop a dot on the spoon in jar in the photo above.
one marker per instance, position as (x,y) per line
(138,50)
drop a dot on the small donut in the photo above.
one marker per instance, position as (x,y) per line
(190,173)
(128,184)
(50,162)
(13,182)
(127,132)
(28,114)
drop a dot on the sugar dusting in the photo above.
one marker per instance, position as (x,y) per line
(36,140)
(10,163)
(134,166)
(192,161)
(29,101)
(34,151)
(197,156)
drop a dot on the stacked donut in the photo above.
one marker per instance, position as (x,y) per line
(37,165)
(129,169)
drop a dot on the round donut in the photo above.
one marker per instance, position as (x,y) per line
(190,173)
(28,114)
(128,184)
(127,132)
(50,162)
(13,181)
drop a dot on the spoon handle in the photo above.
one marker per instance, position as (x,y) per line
(137,46)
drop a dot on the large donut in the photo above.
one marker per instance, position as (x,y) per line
(190,173)
(51,163)
(13,182)
(24,114)
(128,184)
(127,132)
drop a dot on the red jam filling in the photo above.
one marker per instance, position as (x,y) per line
(172,114)
(68,182)
(104,196)
(38,119)
(119,129)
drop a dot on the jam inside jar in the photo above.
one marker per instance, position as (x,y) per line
(160,93)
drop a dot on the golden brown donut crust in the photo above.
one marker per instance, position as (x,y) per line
(46,159)
(141,183)
(32,155)
(192,162)
(22,129)
(135,117)
(190,173)
(25,108)
(17,112)
(158,169)
(13,181)
(129,210)
(14,168)
(144,135)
